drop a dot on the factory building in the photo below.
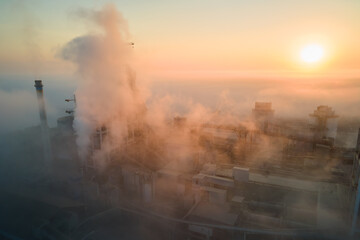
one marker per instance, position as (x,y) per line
(242,178)
(355,191)
(231,182)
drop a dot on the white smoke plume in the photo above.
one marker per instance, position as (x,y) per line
(107,93)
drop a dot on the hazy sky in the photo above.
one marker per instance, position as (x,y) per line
(201,35)
(233,44)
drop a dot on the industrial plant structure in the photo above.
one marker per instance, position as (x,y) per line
(237,183)
(279,180)
(324,122)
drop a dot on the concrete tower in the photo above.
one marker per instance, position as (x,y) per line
(324,122)
(48,157)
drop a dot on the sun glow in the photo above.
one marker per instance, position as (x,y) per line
(312,53)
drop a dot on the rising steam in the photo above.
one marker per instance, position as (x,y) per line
(107,92)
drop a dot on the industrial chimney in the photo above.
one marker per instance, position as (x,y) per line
(48,158)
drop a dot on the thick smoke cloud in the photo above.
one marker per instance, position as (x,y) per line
(107,93)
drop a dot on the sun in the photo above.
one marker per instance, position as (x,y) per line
(312,53)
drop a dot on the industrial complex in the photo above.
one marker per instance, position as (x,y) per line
(271,179)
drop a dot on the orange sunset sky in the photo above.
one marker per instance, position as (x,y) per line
(196,39)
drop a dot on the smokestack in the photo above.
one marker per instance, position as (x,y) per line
(44,126)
